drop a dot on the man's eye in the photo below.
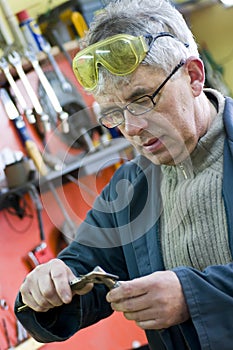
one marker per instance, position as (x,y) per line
(140,105)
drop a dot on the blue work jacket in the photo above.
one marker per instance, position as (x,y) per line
(121,234)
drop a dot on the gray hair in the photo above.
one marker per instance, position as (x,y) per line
(141,17)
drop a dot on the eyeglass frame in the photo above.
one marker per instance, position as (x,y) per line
(151,97)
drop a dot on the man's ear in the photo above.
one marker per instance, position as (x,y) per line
(196,71)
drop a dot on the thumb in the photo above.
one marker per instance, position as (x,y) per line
(84,290)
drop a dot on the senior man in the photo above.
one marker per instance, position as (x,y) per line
(164,223)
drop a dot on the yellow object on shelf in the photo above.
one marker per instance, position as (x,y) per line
(79,23)
(70,17)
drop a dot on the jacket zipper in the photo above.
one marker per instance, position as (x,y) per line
(182,168)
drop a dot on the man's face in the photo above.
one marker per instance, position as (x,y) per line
(170,131)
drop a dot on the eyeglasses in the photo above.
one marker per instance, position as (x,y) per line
(137,107)
(120,54)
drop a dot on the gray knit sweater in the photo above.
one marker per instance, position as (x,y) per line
(193,221)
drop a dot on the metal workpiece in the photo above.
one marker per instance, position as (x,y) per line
(96,276)
(4,66)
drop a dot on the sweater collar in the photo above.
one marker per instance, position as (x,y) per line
(210,146)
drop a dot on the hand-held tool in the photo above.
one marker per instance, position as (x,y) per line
(96,276)
(15,60)
(20,126)
(31,56)
(27,111)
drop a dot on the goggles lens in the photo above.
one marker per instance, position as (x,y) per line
(120,54)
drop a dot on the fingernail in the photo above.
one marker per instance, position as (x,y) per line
(108,297)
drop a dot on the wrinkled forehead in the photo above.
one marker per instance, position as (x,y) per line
(109,83)
(116,88)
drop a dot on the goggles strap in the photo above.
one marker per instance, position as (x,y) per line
(151,39)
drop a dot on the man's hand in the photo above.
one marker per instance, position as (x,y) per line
(155,301)
(48,286)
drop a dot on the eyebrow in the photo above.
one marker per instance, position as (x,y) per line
(108,109)
(140,91)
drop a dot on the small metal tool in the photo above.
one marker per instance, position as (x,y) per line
(21,332)
(20,126)
(27,111)
(3,304)
(97,276)
(14,59)
(63,116)
(66,86)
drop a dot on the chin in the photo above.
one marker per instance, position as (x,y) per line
(160,159)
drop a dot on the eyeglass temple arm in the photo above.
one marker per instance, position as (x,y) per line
(178,66)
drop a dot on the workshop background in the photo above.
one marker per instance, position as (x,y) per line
(54,158)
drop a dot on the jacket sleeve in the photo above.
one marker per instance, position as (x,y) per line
(209,296)
(96,243)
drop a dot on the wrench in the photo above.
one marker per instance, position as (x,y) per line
(98,275)
(15,60)
(6,70)
(63,116)
(66,86)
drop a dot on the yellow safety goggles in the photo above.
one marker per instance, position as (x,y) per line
(119,54)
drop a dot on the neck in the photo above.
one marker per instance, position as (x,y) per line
(206,113)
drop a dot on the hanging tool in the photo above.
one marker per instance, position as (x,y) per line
(20,126)
(3,304)
(13,24)
(27,111)
(10,346)
(21,332)
(15,60)
(97,276)
(59,43)
(41,253)
(62,115)
(66,86)
(6,34)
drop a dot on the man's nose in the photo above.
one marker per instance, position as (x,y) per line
(134,125)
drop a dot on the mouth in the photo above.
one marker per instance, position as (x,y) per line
(152,145)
